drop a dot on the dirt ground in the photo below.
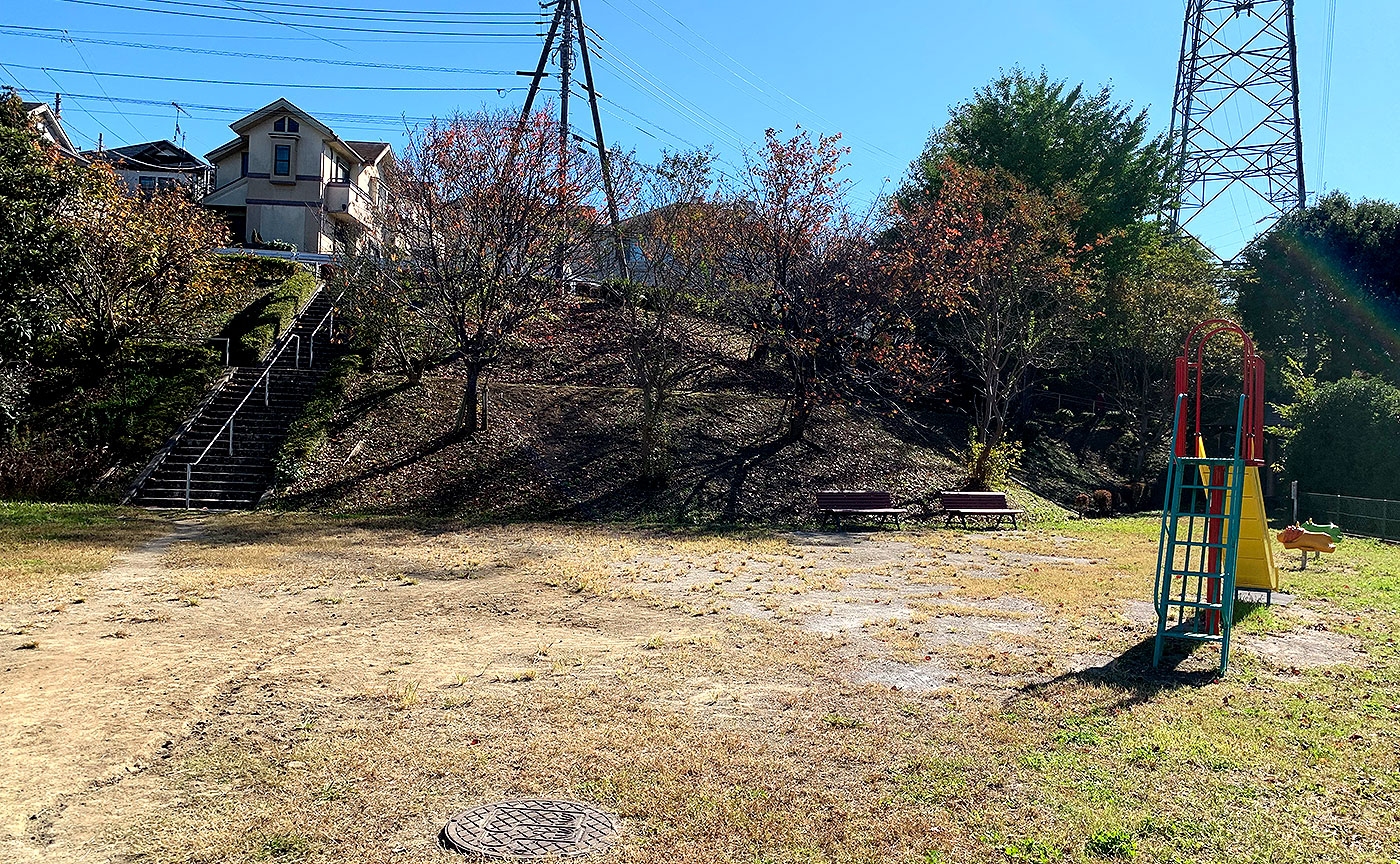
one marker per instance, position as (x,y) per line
(284,687)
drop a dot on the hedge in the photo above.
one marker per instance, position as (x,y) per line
(252,331)
(308,433)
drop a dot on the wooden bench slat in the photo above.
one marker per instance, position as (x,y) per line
(965,504)
(866,502)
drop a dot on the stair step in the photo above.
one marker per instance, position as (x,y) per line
(223,481)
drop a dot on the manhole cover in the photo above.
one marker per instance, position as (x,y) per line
(531,828)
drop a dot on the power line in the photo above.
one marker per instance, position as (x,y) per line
(1326,92)
(98,82)
(330,27)
(375,87)
(768,86)
(534,16)
(263,37)
(51,33)
(339,15)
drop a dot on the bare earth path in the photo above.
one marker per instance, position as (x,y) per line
(272,687)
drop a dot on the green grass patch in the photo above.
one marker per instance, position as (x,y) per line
(253,331)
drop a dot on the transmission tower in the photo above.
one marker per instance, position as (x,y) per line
(1236,128)
(568,21)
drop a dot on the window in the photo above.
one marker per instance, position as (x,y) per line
(282,160)
(147,184)
(340,172)
(293,126)
(243,172)
(166,184)
(280,124)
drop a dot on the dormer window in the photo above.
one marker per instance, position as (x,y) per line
(285,124)
(293,126)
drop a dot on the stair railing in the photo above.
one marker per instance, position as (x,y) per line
(327,321)
(265,379)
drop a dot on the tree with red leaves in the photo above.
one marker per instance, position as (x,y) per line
(481,227)
(999,283)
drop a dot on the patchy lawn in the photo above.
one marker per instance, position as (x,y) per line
(284,687)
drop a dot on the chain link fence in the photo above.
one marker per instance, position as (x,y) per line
(1366,517)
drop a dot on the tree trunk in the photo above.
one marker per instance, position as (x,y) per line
(467,416)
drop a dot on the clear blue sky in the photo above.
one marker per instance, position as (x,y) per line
(883,72)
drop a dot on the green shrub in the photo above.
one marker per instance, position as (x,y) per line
(252,331)
(1343,439)
(308,432)
(995,471)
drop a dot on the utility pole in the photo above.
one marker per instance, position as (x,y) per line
(566,70)
(568,18)
(1236,124)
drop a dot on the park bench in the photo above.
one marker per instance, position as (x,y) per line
(961,505)
(835,504)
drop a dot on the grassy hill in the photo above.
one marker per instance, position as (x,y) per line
(560,443)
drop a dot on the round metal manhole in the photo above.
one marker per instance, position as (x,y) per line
(531,828)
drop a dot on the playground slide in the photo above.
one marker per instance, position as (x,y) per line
(1254,560)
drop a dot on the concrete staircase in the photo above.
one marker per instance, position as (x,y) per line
(223,481)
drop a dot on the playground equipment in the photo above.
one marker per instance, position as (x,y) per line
(1295,537)
(1215,535)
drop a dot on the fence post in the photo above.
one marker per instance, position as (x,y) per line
(230,436)
(187,485)
(267,389)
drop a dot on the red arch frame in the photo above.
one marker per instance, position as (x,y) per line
(1252,436)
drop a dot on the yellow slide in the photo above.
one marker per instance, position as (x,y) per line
(1254,559)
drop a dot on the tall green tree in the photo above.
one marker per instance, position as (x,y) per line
(1341,438)
(1165,290)
(1058,140)
(1322,288)
(36,243)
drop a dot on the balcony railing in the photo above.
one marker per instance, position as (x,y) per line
(347,201)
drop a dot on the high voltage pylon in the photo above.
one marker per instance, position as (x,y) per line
(567,27)
(1236,127)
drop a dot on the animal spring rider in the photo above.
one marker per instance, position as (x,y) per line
(1215,535)
(1310,538)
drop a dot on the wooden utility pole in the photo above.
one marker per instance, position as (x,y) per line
(568,18)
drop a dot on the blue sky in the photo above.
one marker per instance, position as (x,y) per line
(883,72)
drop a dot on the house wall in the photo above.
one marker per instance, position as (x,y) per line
(290,207)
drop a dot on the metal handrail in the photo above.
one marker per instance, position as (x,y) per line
(264,379)
(330,330)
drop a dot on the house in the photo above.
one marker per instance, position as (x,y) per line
(50,128)
(156,165)
(289,178)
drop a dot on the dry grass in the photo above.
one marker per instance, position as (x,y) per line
(46,550)
(695,685)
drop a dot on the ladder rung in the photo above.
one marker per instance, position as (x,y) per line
(1199,637)
(1199,544)
(1197,573)
(1205,460)
(1191,604)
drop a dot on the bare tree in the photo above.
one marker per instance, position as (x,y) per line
(667,304)
(482,224)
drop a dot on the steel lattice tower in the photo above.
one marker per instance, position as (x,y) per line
(1235,120)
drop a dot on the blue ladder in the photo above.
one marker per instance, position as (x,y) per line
(1194,593)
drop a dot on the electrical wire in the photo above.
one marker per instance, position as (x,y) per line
(357,64)
(339,15)
(373,87)
(329,27)
(768,86)
(98,82)
(1326,94)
